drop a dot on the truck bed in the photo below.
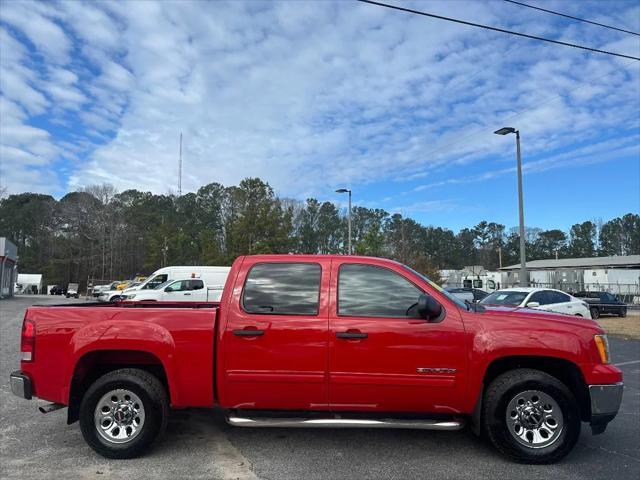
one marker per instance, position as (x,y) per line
(177,338)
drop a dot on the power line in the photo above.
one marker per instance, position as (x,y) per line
(572,17)
(496,29)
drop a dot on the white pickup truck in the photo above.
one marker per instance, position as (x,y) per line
(187,290)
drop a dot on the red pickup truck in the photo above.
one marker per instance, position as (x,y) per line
(322,341)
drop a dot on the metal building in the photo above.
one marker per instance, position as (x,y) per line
(8,267)
(616,274)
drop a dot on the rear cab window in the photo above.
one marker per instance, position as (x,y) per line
(290,288)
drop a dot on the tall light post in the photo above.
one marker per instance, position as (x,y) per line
(346,190)
(523,261)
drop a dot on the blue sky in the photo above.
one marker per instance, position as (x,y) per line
(313,96)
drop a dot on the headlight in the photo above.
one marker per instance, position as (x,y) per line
(602,344)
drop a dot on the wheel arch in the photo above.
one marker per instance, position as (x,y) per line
(564,370)
(94,364)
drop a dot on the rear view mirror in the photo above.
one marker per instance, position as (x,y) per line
(428,308)
(533,304)
(168,289)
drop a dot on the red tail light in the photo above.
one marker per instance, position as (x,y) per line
(28,341)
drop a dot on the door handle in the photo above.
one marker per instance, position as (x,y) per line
(351,335)
(187,294)
(248,333)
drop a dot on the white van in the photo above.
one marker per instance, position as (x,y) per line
(215,277)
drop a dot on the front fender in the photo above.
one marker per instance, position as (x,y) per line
(489,346)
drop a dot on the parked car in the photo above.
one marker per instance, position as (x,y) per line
(322,341)
(603,302)
(467,294)
(72,291)
(213,275)
(58,290)
(186,290)
(540,299)
(110,296)
(96,290)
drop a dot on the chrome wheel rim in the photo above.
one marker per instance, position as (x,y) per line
(119,416)
(534,419)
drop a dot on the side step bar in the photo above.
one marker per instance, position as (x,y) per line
(453,424)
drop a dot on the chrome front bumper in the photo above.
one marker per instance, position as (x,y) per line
(20,385)
(605,403)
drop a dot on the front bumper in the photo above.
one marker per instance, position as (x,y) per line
(605,403)
(21,385)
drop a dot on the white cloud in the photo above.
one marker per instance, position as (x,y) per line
(44,33)
(305,95)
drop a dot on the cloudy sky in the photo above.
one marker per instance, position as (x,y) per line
(311,96)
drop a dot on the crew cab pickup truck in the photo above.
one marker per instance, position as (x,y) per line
(603,303)
(186,290)
(322,341)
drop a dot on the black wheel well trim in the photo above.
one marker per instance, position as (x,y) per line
(96,363)
(569,373)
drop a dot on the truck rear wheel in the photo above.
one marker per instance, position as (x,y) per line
(123,412)
(531,416)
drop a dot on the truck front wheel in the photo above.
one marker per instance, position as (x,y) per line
(530,416)
(123,412)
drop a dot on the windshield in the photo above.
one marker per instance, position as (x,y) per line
(154,281)
(451,297)
(162,285)
(507,299)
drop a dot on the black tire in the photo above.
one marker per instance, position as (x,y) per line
(156,411)
(494,412)
(115,298)
(595,313)
(623,312)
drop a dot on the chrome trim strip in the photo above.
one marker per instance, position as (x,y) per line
(344,423)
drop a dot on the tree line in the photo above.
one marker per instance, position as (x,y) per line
(102,234)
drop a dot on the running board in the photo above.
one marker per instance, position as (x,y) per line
(454,424)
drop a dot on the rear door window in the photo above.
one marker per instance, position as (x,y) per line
(542,297)
(282,289)
(558,297)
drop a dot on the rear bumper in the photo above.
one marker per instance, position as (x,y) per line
(605,403)
(21,385)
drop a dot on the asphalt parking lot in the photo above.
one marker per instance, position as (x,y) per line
(199,444)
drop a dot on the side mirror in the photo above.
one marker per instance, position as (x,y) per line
(168,289)
(428,308)
(533,304)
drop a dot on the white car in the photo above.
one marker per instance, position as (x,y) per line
(540,299)
(187,290)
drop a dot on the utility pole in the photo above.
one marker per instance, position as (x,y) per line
(164,252)
(180,169)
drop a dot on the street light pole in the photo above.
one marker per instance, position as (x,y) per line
(523,262)
(346,190)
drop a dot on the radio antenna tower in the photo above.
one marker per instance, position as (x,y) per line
(180,169)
